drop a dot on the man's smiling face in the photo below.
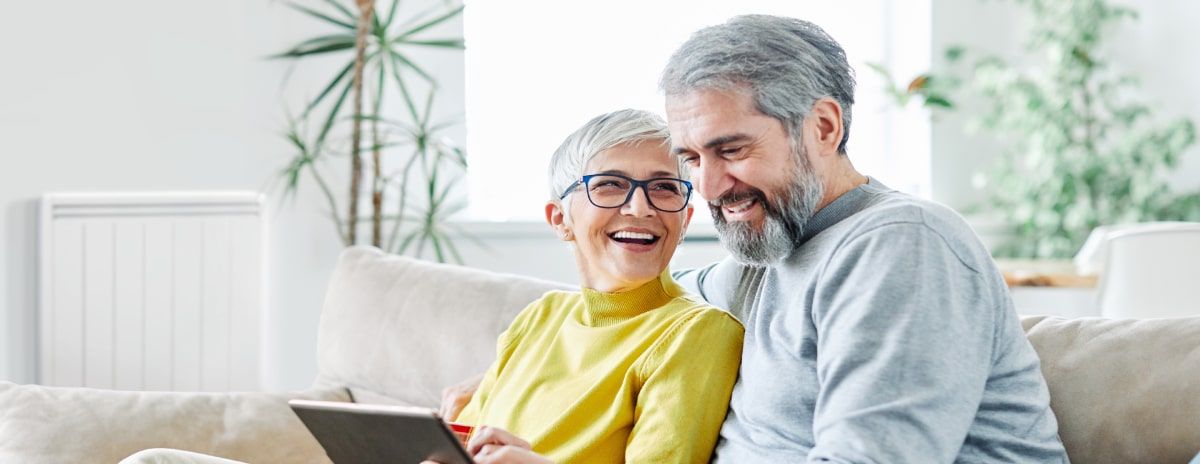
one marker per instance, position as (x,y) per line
(759,186)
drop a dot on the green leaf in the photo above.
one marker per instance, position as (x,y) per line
(955,52)
(413,66)
(430,23)
(453,249)
(346,11)
(303,47)
(435,239)
(381,146)
(456,43)
(391,14)
(302,50)
(441,197)
(328,88)
(938,101)
(421,237)
(320,15)
(408,102)
(408,241)
(377,28)
(428,110)
(333,112)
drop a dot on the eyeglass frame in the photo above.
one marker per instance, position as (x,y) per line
(634,185)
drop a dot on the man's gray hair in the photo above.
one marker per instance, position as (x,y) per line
(601,133)
(786,63)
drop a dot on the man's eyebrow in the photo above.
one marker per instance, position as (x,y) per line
(716,142)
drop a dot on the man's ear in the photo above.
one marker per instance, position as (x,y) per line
(823,127)
(556,217)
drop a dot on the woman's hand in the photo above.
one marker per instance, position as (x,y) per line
(493,454)
(491,445)
(456,397)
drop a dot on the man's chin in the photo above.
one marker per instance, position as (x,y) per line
(752,244)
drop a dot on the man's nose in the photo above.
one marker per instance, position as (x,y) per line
(712,179)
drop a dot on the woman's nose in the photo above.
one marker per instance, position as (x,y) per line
(638,204)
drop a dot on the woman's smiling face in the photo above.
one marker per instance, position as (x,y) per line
(619,249)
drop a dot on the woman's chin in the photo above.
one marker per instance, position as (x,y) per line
(638,273)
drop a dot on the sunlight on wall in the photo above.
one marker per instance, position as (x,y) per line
(531,81)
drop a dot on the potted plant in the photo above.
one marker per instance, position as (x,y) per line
(412,165)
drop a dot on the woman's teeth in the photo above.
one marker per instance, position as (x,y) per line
(634,237)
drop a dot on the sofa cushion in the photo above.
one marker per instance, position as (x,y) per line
(55,425)
(397,329)
(1124,390)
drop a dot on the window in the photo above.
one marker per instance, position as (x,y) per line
(539,69)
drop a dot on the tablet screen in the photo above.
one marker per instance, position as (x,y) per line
(358,433)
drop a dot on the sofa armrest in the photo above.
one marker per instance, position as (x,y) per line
(53,424)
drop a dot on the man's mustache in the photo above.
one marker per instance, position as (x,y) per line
(733,197)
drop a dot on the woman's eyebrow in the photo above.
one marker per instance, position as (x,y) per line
(654,174)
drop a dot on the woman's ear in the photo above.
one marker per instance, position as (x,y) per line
(556,216)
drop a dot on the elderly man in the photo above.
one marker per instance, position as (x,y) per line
(878,328)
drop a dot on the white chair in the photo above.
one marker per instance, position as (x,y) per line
(1094,253)
(1152,272)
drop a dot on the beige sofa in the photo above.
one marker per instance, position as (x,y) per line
(396,330)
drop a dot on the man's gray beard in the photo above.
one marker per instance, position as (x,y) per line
(784,223)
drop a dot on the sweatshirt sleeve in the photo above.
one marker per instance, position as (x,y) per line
(716,283)
(473,411)
(905,341)
(685,392)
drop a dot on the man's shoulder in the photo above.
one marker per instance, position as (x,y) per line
(889,207)
(890,213)
(687,310)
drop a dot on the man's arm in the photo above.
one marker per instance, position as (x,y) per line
(456,397)
(716,283)
(905,344)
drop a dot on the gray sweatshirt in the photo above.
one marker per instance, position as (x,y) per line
(888,336)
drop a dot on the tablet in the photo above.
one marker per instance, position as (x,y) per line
(367,433)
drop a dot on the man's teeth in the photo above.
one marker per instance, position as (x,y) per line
(740,206)
(633,235)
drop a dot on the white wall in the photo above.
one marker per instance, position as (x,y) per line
(1159,48)
(143,95)
(147,95)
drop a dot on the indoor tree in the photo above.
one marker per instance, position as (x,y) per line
(1080,150)
(379,64)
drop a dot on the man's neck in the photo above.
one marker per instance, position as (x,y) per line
(842,179)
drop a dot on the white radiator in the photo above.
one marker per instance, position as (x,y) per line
(151,291)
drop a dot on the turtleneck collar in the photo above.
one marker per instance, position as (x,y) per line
(608,308)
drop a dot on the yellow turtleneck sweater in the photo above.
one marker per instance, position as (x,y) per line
(637,376)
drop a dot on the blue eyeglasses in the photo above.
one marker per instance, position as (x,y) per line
(666,194)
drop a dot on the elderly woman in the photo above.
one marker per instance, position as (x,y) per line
(629,368)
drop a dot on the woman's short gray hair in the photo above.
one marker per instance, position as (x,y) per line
(786,63)
(601,133)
